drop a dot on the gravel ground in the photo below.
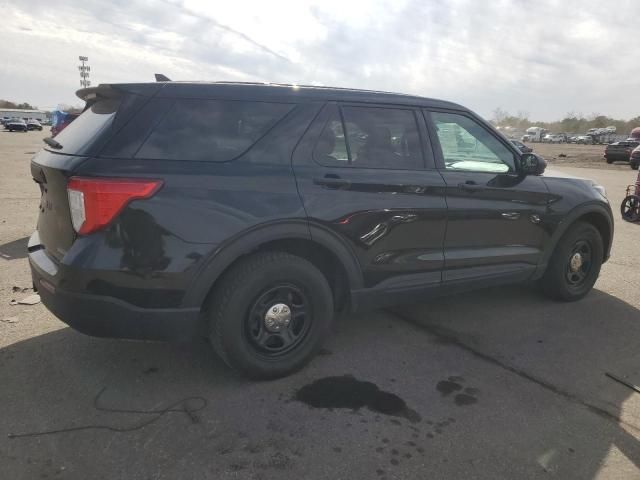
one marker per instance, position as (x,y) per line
(583,156)
(493,384)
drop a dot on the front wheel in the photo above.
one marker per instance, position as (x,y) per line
(634,165)
(270,314)
(575,264)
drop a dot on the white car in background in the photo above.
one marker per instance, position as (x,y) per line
(551,138)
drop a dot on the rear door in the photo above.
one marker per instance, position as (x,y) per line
(495,215)
(366,173)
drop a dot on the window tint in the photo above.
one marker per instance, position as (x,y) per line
(331,148)
(377,138)
(80,134)
(212,130)
(467,145)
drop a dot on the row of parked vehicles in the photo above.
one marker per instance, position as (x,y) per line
(21,125)
(593,136)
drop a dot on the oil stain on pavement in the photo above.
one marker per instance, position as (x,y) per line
(466,396)
(350,393)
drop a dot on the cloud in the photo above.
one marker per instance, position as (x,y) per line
(546,57)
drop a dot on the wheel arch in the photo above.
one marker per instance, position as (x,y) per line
(595,214)
(323,248)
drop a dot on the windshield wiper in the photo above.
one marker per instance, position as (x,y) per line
(52,143)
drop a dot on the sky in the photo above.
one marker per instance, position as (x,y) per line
(541,57)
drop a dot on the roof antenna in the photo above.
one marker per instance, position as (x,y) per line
(162,78)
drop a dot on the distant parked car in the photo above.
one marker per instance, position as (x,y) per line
(33,124)
(620,151)
(584,139)
(525,138)
(554,138)
(16,125)
(634,159)
(521,146)
(63,123)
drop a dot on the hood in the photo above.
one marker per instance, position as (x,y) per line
(553,173)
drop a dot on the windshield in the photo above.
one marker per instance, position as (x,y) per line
(79,135)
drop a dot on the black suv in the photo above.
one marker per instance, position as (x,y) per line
(251,213)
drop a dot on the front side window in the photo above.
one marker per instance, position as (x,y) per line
(211,130)
(468,146)
(376,138)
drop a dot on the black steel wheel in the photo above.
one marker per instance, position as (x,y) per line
(578,263)
(278,320)
(630,208)
(269,314)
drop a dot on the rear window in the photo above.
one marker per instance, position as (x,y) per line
(79,135)
(211,130)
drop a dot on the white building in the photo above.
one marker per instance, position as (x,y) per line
(39,115)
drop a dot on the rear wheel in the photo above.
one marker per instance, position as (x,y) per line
(634,165)
(609,161)
(575,264)
(270,314)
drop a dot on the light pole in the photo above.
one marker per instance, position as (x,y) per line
(84,72)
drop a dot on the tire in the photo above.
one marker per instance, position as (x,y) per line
(248,293)
(630,208)
(634,165)
(560,281)
(609,161)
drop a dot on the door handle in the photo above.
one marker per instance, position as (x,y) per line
(470,185)
(332,182)
(510,215)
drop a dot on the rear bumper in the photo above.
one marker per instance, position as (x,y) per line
(617,157)
(103,316)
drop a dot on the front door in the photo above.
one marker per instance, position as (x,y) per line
(362,174)
(495,215)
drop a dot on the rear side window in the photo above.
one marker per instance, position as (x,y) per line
(370,137)
(211,130)
(78,137)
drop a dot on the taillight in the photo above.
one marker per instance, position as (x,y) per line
(94,202)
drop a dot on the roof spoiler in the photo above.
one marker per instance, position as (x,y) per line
(90,94)
(162,78)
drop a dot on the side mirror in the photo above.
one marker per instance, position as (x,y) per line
(531,164)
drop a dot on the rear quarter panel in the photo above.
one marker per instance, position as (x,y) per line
(164,243)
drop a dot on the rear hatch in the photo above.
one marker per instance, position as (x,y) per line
(52,167)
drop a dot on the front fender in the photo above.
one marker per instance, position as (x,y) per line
(603,212)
